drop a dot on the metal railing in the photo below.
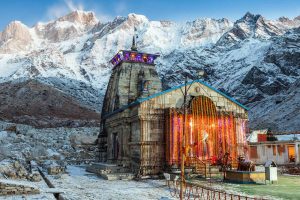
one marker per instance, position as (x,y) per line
(200,192)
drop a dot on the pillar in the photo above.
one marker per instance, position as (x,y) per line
(297,156)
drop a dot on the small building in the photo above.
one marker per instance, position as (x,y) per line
(258,135)
(142,126)
(279,150)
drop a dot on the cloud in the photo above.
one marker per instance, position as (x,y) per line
(72,6)
(58,10)
(67,6)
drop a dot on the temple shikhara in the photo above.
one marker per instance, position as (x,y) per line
(142,126)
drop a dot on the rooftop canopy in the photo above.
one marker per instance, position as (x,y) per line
(133,56)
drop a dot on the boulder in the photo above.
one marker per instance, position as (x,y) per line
(35,177)
(11,174)
(83,140)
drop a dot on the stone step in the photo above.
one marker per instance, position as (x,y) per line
(117,176)
(99,168)
(211,170)
(214,170)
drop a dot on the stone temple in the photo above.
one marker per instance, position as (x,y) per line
(142,126)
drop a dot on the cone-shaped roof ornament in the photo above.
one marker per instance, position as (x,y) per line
(134,47)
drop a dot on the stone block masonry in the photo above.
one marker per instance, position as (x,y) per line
(16,189)
(53,170)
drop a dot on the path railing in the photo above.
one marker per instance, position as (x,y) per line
(200,192)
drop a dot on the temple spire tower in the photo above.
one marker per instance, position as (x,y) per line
(134,76)
(133,46)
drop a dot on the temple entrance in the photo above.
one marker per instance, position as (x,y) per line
(291,153)
(209,133)
(116,146)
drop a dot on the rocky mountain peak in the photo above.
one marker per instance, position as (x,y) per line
(119,18)
(15,29)
(253,26)
(225,21)
(284,19)
(249,17)
(136,19)
(132,20)
(297,18)
(15,37)
(15,23)
(80,17)
(205,31)
(67,27)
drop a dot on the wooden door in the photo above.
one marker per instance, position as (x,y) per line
(116,146)
(291,153)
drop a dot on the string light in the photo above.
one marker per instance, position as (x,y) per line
(210,133)
(133,56)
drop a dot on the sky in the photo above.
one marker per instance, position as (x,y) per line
(32,11)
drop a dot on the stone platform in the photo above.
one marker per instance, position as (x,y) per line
(110,171)
(245,176)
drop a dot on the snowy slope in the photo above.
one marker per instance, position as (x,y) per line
(253,59)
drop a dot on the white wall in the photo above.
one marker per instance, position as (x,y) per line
(265,153)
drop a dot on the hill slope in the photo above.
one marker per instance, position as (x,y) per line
(32,102)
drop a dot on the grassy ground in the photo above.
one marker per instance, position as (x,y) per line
(287,188)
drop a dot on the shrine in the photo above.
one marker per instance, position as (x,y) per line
(142,126)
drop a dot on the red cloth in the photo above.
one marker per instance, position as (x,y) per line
(261,137)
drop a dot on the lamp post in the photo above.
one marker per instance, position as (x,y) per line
(183,147)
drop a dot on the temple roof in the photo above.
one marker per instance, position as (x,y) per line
(141,100)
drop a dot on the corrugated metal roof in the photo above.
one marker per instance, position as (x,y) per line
(138,101)
(189,83)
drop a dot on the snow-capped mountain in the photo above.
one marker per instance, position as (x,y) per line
(254,59)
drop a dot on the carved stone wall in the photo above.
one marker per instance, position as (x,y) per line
(128,82)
